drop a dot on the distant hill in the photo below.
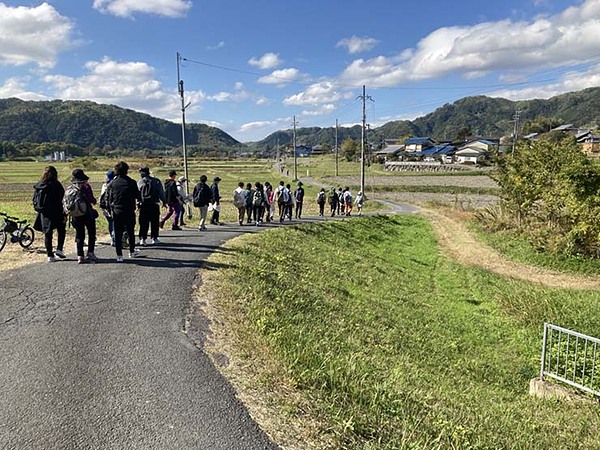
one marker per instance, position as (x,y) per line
(479,115)
(88,124)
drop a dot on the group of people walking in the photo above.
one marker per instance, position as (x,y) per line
(121,196)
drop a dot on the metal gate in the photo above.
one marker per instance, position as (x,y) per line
(571,357)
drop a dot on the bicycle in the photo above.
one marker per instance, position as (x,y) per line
(18,230)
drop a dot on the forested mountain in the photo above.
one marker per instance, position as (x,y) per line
(88,124)
(480,115)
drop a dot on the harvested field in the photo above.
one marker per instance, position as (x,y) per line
(473,181)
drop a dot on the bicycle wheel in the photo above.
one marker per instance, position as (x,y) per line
(2,240)
(26,236)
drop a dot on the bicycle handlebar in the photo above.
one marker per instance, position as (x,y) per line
(16,219)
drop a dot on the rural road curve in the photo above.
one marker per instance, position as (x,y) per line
(105,356)
(100,357)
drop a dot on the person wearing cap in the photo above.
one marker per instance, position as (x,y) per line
(123,197)
(299,197)
(110,175)
(359,202)
(173,202)
(216,201)
(86,221)
(151,194)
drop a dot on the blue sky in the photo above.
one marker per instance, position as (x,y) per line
(250,66)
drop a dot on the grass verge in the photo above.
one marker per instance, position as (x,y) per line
(362,330)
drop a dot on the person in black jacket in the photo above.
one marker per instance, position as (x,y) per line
(50,215)
(123,196)
(173,202)
(201,197)
(216,201)
(151,193)
(299,196)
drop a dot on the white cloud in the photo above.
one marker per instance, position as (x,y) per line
(127,8)
(36,34)
(315,94)
(560,40)
(571,81)
(129,85)
(239,94)
(219,46)
(258,125)
(266,61)
(282,77)
(320,111)
(13,87)
(357,44)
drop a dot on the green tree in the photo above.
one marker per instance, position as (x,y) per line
(552,189)
(350,149)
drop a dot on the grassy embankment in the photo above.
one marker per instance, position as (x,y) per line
(365,327)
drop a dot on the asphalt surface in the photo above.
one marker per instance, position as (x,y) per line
(104,356)
(109,355)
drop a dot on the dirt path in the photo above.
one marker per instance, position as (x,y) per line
(458,242)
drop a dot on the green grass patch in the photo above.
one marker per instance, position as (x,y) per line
(518,248)
(395,346)
(436,189)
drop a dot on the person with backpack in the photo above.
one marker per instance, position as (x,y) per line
(181,181)
(110,175)
(257,202)
(216,202)
(173,202)
(78,201)
(269,208)
(151,195)
(332,199)
(347,196)
(299,198)
(340,204)
(123,196)
(201,197)
(248,202)
(239,201)
(359,202)
(282,198)
(290,203)
(47,202)
(321,201)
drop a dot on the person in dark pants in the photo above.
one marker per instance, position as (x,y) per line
(85,222)
(321,198)
(333,200)
(248,202)
(299,196)
(216,201)
(173,202)
(123,195)
(151,193)
(50,215)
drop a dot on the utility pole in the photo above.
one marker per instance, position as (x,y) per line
(516,118)
(185,161)
(295,156)
(364,99)
(336,148)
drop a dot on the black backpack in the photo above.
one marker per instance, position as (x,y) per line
(39,200)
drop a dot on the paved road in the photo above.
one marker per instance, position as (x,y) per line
(101,357)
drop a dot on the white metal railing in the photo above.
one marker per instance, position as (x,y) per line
(571,357)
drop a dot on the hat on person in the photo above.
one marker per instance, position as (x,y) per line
(182,179)
(79,176)
(144,170)
(110,175)
(300,183)
(217,179)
